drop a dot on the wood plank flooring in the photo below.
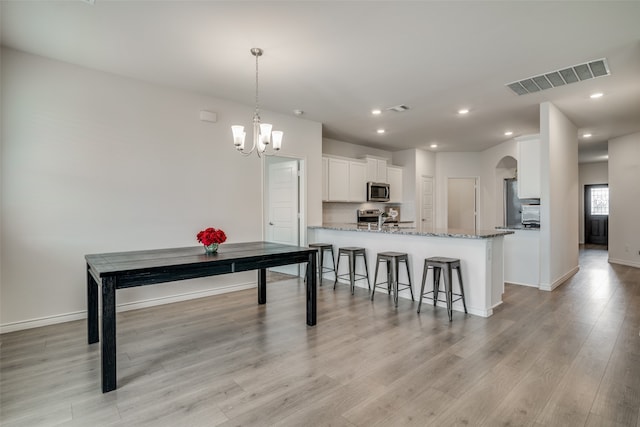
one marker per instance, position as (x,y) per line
(570,357)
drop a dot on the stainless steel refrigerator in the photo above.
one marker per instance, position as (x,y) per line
(513,205)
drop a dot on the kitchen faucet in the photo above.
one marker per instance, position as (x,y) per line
(381,219)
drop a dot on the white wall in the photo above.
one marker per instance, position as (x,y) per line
(416,163)
(589,173)
(354,151)
(493,174)
(93,162)
(454,165)
(559,197)
(624,203)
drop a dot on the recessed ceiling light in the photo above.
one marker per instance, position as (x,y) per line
(586,135)
(463,111)
(376,112)
(380,131)
(508,133)
(596,95)
(298,112)
(434,146)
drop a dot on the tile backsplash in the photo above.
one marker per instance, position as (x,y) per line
(346,212)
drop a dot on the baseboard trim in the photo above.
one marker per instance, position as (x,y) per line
(624,262)
(522,284)
(560,281)
(79,315)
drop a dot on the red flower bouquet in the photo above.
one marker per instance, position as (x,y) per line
(211,238)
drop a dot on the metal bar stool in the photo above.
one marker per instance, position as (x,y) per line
(439,264)
(322,247)
(352,253)
(392,259)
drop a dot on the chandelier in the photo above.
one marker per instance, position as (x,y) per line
(262,134)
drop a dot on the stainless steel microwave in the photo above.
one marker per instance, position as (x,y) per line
(378,192)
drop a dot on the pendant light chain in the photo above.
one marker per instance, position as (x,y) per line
(257,103)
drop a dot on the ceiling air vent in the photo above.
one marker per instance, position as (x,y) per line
(398,108)
(573,74)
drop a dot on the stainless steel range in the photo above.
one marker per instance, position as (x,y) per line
(370,218)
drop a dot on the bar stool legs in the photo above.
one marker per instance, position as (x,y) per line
(322,247)
(352,253)
(392,259)
(444,265)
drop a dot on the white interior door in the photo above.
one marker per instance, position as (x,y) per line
(426,204)
(282,219)
(461,203)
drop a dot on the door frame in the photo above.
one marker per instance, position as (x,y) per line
(476,201)
(433,202)
(587,209)
(302,198)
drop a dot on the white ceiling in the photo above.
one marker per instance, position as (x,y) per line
(338,60)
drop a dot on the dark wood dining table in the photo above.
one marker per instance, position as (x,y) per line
(120,270)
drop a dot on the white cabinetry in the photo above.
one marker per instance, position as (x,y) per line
(345,180)
(325,179)
(522,258)
(528,167)
(338,179)
(376,169)
(357,182)
(394,178)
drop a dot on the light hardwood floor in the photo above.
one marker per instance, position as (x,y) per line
(570,357)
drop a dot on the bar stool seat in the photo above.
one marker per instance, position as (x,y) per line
(322,247)
(392,260)
(352,253)
(439,264)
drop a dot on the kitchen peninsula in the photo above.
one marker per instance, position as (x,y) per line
(480,253)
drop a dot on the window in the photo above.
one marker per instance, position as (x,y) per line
(600,201)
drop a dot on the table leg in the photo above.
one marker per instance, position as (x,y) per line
(93,332)
(311,290)
(262,286)
(109,373)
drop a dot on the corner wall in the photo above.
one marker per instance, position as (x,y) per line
(559,189)
(93,162)
(624,200)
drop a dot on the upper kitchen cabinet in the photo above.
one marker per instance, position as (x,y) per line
(394,177)
(376,169)
(528,148)
(357,182)
(325,179)
(344,179)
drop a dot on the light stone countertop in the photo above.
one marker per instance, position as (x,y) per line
(518,227)
(411,231)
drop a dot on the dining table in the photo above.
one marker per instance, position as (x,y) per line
(120,270)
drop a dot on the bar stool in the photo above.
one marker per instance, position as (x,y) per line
(393,260)
(322,247)
(352,253)
(439,264)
